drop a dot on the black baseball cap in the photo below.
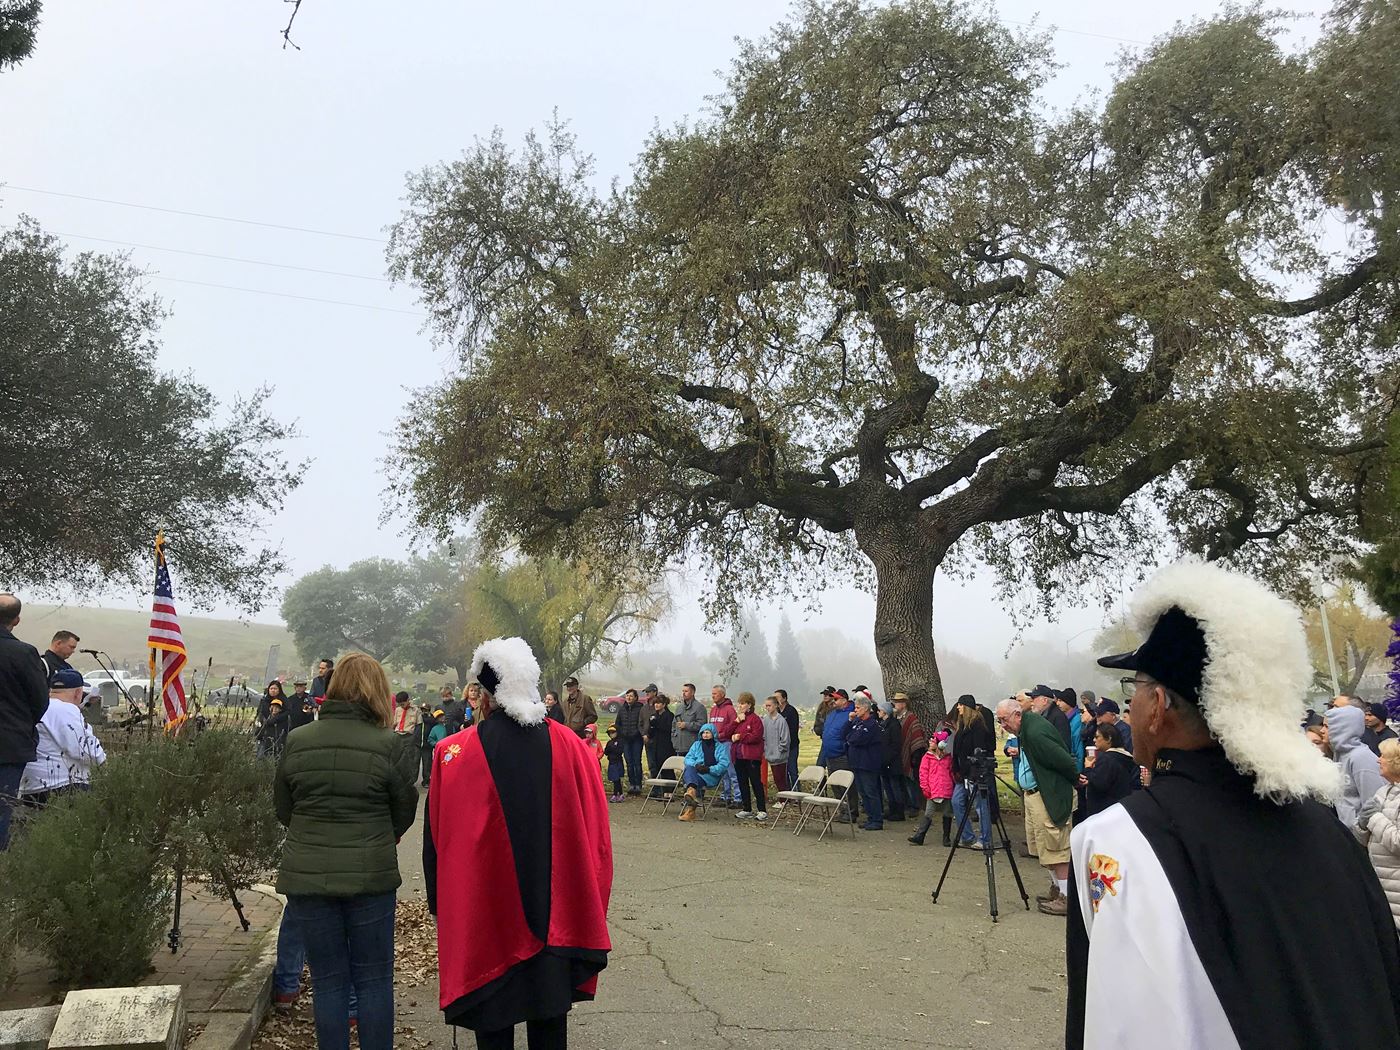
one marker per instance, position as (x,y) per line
(1045,691)
(829,691)
(651,688)
(1108,707)
(1174,654)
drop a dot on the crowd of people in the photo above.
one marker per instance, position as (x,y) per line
(47,746)
(1202,791)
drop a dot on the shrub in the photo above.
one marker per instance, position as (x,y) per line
(90,878)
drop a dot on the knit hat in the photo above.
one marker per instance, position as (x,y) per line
(1229,645)
(508,670)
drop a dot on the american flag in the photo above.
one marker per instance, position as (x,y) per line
(167,643)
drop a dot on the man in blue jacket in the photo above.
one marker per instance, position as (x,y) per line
(865,752)
(833,734)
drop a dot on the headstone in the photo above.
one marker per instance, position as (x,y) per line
(121,1019)
(27,1029)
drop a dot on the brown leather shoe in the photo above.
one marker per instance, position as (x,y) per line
(1053,895)
(687,814)
(1058,906)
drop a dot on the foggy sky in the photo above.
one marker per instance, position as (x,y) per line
(197,108)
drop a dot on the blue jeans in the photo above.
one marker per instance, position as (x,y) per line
(868,780)
(792,765)
(984,815)
(691,778)
(729,785)
(350,945)
(11,773)
(291,957)
(632,757)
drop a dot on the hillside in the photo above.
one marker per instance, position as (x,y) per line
(237,648)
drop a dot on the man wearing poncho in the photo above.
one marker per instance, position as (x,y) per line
(518,858)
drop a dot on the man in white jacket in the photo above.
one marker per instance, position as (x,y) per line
(67,750)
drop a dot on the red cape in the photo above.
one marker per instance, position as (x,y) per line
(523,854)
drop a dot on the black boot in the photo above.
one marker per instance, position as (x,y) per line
(918,837)
(947,831)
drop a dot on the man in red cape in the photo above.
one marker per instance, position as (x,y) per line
(517,854)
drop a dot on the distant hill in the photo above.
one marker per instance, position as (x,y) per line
(237,648)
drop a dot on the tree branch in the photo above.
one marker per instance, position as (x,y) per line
(287,32)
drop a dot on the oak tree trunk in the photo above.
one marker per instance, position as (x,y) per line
(904,626)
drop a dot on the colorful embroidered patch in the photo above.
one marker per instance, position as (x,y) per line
(1104,877)
(453,750)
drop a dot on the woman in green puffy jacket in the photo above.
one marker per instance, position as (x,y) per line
(346,791)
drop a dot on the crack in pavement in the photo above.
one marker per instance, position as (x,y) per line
(682,986)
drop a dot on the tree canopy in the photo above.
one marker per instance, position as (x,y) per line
(881,310)
(1359,637)
(19,25)
(571,615)
(431,611)
(100,448)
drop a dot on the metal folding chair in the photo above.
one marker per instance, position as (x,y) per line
(814,777)
(675,764)
(839,782)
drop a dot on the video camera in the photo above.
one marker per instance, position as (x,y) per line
(982,767)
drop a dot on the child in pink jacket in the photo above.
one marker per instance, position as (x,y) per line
(936,780)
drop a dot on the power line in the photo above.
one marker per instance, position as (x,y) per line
(1078,32)
(225,258)
(285,295)
(196,214)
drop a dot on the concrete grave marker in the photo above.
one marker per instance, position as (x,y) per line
(27,1029)
(121,1019)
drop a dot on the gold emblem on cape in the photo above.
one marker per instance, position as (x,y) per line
(453,750)
(1105,876)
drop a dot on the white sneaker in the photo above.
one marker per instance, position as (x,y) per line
(779,805)
(762,815)
(743,814)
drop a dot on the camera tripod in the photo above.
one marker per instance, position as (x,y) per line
(977,791)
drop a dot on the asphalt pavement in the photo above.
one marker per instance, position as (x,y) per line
(729,935)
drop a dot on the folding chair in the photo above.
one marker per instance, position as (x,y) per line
(678,793)
(675,764)
(814,777)
(839,782)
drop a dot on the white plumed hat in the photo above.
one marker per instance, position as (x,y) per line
(1253,680)
(508,670)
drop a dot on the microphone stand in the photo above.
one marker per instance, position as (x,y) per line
(134,712)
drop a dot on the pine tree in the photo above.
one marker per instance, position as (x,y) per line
(754,663)
(788,670)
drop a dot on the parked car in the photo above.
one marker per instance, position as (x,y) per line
(110,684)
(611,704)
(233,696)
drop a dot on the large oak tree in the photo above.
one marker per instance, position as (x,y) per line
(880,309)
(99,448)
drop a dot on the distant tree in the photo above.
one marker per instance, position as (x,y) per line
(570,614)
(788,670)
(436,636)
(1359,638)
(887,311)
(99,448)
(364,608)
(752,662)
(19,25)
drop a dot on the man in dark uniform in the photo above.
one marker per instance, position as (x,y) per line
(64,645)
(24,697)
(1224,906)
